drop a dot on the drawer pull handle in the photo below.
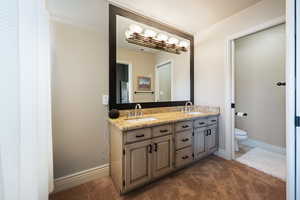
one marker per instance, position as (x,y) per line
(213,120)
(201,123)
(155,147)
(185,140)
(150,148)
(164,131)
(207,133)
(138,136)
(185,126)
(185,157)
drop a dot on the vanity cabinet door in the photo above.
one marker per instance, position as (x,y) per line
(137,164)
(199,142)
(162,155)
(212,139)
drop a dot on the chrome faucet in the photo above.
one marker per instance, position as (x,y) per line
(136,112)
(187,107)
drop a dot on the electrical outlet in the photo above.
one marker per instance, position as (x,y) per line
(105,99)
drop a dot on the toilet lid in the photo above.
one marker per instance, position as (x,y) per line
(240,132)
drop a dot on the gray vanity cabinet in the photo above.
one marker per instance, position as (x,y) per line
(211,138)
(137,164)
(205,137)
(199,142)
(142,155)
(162,155)
(147,159)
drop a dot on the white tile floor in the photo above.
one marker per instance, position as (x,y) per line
(265,161)
(242,150)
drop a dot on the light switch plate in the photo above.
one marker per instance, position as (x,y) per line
(105,99)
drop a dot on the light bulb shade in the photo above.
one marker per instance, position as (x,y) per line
(149,33)
(184,44)
(135,28)
(162,37)
(173,41)
(128,34)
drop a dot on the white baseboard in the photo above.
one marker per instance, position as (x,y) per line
(223,154)
(79,178)
(270,147)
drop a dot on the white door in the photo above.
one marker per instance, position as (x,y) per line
(163,82)
(297,132)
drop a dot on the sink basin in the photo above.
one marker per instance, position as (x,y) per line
(145,119)
(194,113)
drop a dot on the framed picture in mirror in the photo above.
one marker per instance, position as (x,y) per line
(144,83)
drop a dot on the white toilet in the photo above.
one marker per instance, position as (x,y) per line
(239,136)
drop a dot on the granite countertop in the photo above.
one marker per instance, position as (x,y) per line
(123,124)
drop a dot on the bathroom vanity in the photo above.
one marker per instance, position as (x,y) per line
(151,65)
(145,149)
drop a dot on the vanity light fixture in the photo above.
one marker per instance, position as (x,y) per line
(173,41)
(149,33)
(162,37)
(128,33)
(184,44)
(135,28)
(151,39)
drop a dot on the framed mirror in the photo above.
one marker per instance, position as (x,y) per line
(149,62)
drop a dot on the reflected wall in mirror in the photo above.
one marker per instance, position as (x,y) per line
(147,72)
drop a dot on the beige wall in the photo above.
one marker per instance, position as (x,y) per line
(80,77)
(180,73)
(211,83)
(259,65)
(143,64)
(79,119)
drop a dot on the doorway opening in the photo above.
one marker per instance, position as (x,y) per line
(163,86)
(258,131)
(123,82)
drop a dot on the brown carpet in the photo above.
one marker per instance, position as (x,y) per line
(211,178)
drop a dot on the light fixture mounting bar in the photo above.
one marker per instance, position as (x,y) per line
(149,42)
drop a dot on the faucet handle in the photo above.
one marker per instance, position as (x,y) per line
(129,114)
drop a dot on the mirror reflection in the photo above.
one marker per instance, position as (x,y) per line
(152,65)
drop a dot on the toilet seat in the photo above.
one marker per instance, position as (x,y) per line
(239,136)
(239,132)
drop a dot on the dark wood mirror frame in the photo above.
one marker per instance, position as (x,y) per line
(113,13)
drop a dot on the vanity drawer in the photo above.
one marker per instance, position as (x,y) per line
(161,130)
(183,139)
(138,135)
(184,157)
(212,120)
(182,126)
(200,122)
